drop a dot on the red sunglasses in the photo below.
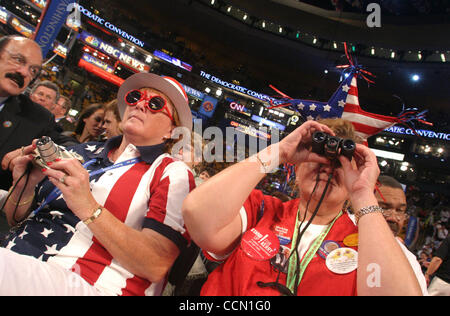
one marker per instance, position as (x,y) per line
(153,103)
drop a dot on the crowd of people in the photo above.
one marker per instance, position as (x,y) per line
(122,221)
(433,212)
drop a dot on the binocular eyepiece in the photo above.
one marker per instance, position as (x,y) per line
(331,146)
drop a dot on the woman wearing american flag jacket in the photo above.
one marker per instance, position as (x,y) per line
(115,225)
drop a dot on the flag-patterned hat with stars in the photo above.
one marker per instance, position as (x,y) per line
(169,86)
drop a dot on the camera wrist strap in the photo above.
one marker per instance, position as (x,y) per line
(56,192)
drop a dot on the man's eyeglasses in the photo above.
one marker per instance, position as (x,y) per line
(387,212)
(20,61)
(153,103)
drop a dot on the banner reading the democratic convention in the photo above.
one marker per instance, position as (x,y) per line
(54,16)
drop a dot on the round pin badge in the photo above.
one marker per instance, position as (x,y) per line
(342,260)
(283,235)
(327,247)
(260,244)
(7,124)
(351,240)
(279,261)
(284,240)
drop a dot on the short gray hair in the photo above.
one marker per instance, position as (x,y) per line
(48,84)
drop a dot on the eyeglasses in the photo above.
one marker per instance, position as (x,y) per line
(387,212)
(153,103)
(20,61)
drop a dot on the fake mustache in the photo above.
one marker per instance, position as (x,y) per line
(17,78)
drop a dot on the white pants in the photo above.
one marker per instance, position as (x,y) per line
(26,276)
(439,287)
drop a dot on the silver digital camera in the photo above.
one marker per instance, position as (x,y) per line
(47,151)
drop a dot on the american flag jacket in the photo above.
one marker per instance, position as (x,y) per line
(148,194)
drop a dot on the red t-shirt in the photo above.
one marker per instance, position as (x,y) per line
(239,275)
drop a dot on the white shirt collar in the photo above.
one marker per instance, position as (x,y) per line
(2,102)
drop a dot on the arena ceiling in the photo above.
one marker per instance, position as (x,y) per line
(297,69)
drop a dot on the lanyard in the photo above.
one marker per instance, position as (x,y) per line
(56,192)
(291,277)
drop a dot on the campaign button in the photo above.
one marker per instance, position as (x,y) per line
(260,244)
(351,240)
(284,240)
(327,247)
(283,235)
(342,260)
(279,261)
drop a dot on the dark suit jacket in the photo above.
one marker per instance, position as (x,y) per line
(21,121)
(64,125)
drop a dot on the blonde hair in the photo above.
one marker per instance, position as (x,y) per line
(342,128)
(113,107)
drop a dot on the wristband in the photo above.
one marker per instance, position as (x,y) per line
(367,210)
(94,216)
(265,165)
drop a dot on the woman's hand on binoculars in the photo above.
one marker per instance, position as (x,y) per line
(295,148)
(361,175)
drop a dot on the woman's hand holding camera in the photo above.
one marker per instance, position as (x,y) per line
(21,162)
(69,176)
(72,179)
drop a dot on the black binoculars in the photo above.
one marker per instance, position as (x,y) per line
(331,146)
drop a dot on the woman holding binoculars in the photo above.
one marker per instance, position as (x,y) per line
(308,246)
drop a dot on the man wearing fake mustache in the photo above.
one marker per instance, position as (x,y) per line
(21,120)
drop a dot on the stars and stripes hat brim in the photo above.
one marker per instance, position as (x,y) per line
(167,85)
